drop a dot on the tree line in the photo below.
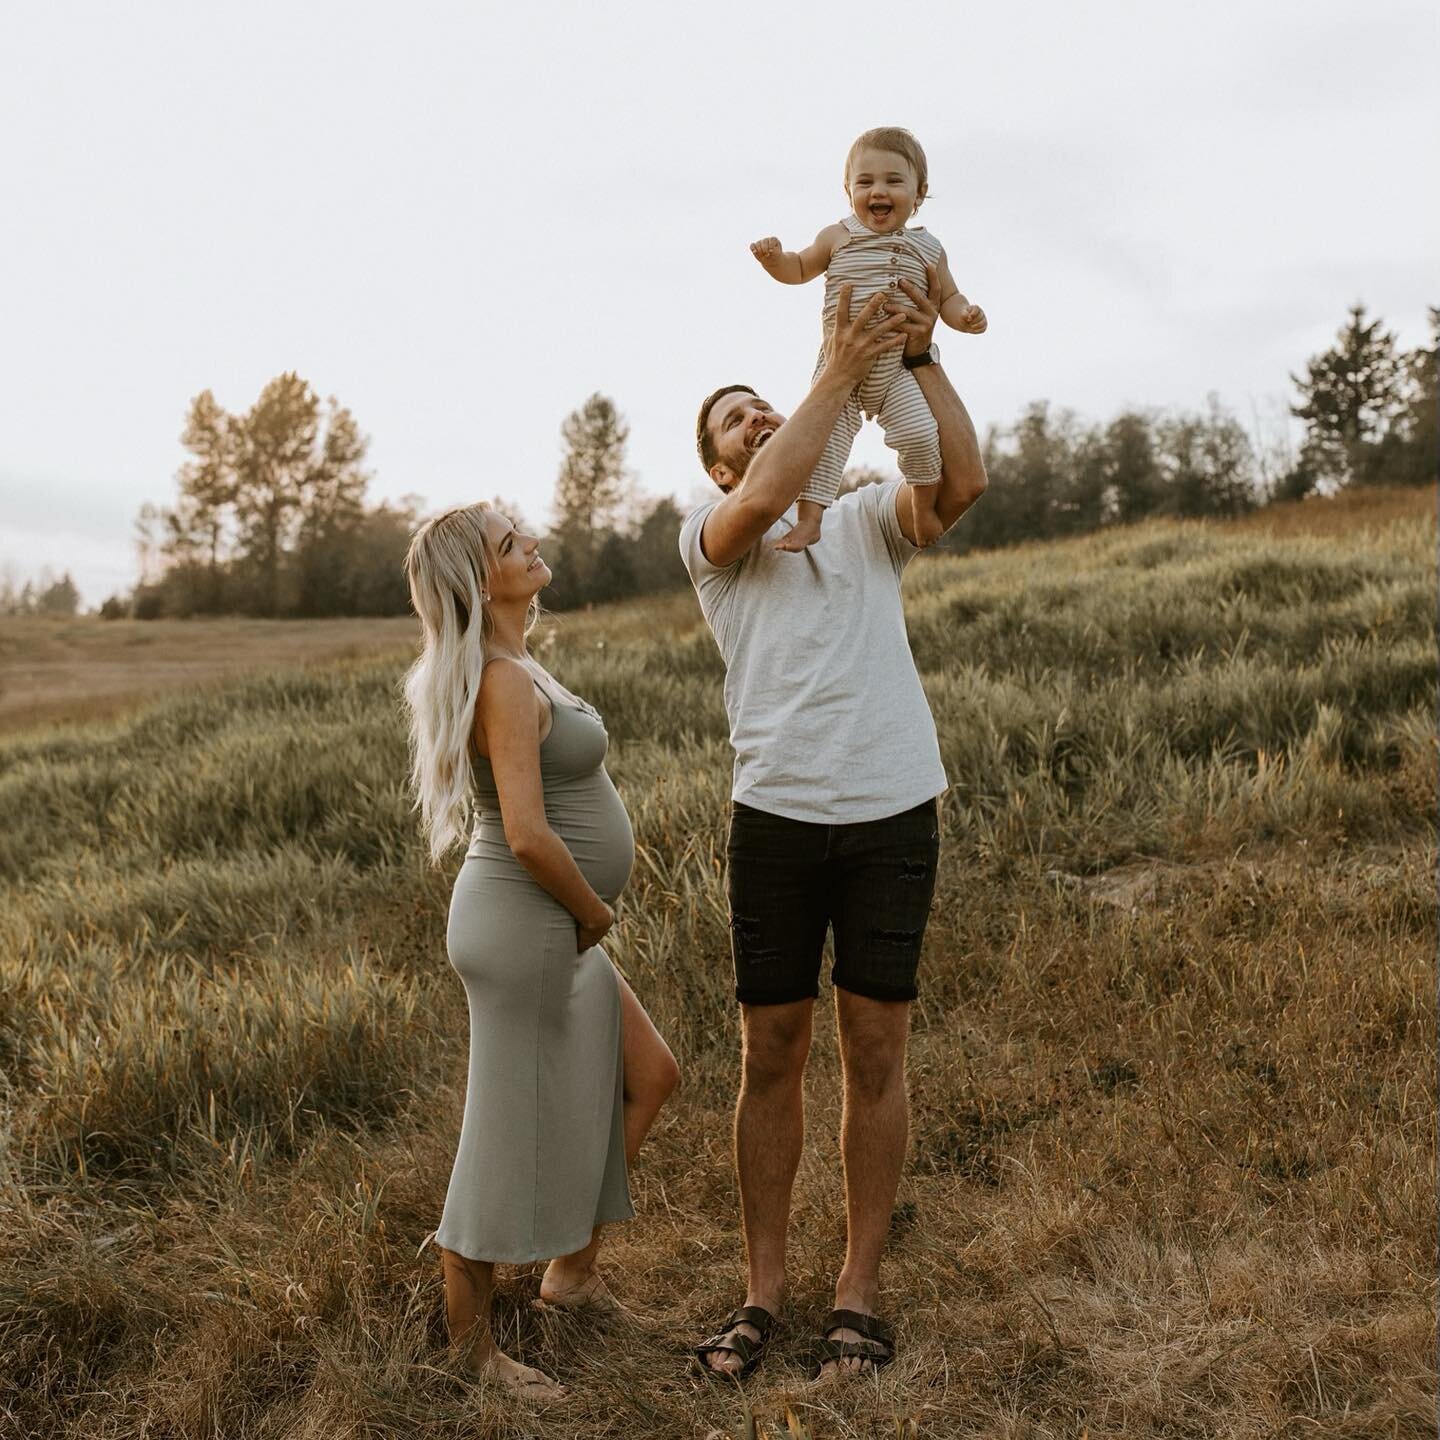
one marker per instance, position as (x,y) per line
(271,519)
(47,594)
(1369,415)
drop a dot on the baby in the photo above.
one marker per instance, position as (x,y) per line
(886,179)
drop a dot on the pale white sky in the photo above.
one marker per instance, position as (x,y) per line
(462,219)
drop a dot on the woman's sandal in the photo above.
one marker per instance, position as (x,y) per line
(724,1342)
(878,1345)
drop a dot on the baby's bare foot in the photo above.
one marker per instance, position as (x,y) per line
(802,534)
(928,528)
(925,521)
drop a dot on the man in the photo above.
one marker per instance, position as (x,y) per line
(834,818)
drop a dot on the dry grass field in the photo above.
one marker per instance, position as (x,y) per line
(87,669)
(1172,1074)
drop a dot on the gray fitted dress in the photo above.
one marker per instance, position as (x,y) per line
(542,1147)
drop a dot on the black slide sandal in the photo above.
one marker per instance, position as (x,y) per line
(747,1349)
(877,1346)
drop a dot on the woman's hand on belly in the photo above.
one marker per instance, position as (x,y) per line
(593,929)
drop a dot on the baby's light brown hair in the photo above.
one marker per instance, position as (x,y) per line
(899,142)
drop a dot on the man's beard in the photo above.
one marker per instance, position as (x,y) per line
(739,465)
(741,461)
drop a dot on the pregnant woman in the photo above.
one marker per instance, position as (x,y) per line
(567,1072)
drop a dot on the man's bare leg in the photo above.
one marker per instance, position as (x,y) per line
(769,1132)
(874,1133)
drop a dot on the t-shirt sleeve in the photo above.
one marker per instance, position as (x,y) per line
(880,500)
(691,551)
(715,586)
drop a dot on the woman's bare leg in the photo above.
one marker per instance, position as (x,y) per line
(650,1075)
(468,1286)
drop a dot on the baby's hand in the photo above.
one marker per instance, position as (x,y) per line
(767,251)
(972,321)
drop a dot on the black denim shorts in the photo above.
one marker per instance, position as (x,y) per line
(792,880)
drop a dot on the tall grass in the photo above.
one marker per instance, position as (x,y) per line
(1171,1071)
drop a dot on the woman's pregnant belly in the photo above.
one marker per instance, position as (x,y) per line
(589,816)
(592,821)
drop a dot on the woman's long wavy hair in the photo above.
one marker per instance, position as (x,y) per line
(448,566)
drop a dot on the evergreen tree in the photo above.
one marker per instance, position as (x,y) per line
(58,598)
(1042,455)
(1134,480)
(1419,457)
(1081,503)
(1350,397)
(613,575)
(655,561)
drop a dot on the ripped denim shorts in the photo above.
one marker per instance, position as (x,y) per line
(792,880)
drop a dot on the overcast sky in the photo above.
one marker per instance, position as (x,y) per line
(463,219)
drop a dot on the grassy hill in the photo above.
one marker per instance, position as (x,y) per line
(1172,1080)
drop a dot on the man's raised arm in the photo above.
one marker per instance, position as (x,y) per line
(962,470)
(779,470)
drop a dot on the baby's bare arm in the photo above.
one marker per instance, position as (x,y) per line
(795,267)
(955,310)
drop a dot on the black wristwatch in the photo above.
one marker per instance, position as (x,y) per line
(925,357)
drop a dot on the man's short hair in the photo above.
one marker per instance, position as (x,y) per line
(704,445)
(898,142)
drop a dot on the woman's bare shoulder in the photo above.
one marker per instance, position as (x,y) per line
(509,702)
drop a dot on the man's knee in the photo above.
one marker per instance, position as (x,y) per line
(872,1046)
(873,1075)
(777,1044)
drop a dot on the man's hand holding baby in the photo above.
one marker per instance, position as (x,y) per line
(917,319)
(925,309)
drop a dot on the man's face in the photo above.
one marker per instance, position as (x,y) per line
(740,424)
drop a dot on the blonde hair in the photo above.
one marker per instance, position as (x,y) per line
(898,142)
(448,567)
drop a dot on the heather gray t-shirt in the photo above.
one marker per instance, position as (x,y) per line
(827,717)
